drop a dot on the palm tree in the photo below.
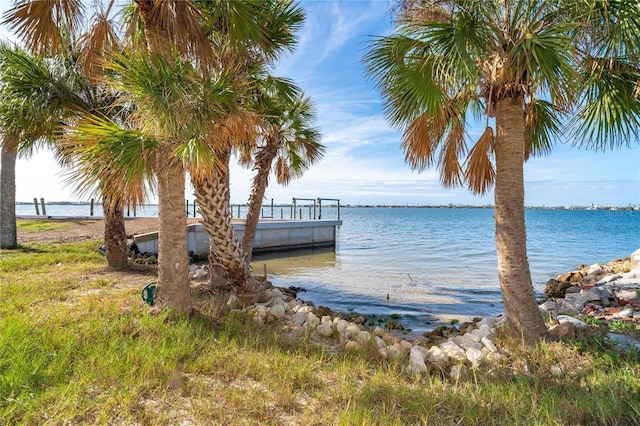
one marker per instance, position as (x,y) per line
(8,228)
(168,27)
(40,99)
(536,70)
(288,138)
(275,23)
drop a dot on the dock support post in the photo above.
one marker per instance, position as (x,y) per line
(91,207)
(194,208)
(44,211)
(35,203)
(187,207)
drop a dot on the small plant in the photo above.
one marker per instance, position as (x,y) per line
(454,321)
(617,326)
(593,321)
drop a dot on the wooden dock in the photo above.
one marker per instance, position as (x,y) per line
(271,236)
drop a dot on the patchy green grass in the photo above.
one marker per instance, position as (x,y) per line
(78,346)
(39,225)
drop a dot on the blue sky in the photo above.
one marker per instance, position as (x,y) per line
(363,163)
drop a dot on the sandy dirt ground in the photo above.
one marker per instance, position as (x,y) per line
(79,229)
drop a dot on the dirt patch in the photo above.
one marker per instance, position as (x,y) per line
(80,229)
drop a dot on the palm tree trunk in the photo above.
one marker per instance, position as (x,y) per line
(8,229)
(263,163)
(115,235)
(523,316)
(173,259)
(212,195)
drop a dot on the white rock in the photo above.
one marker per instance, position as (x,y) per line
(475,356)
(325,329)
(200,273)
(383,353)
(352,330)
(488,321)
(466,342)
(416,359)
(635,260)
(488,344)
(233,299)
(193,269)
(393,351)
(608,278)
(437,355)
(274,292)
(379,342)
(341,325)
(548,305)
(326,319)
(453,351)
(293,304)
(277,311)
(474,336)
(312,321)
(593,268)
(379,331)
(625,313)
(363,336)
(303,308)
(298,319)
(562,319)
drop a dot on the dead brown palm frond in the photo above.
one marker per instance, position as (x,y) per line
(96,43)
(180,20)
(417,143)
(38,22)
(451,173)
(479,171)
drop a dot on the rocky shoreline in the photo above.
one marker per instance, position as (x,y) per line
(590,295)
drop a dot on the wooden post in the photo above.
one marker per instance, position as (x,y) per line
(35,203)
(44,211)
(238,211)
(194,208)
(187,206)
(281,213)
(91,207)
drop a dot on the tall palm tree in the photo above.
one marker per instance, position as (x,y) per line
(8,228)
(40,98)
(275,24)
(536,70)
(287,138)
(168,26)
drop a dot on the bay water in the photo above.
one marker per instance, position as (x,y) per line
(427,266)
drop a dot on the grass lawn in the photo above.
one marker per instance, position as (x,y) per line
(78,346)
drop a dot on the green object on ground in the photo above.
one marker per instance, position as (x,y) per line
(149,292)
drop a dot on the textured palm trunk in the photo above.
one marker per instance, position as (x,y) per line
(523,316)
(263,163)
(212,195)
(8,230)
(115,235)
(173,259)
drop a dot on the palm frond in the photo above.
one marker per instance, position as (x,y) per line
(479,171)
(99,41)
(542,128)
(110,160)
(39,22)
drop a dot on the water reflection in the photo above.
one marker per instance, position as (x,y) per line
(294,261)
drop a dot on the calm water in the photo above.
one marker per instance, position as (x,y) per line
(435,264)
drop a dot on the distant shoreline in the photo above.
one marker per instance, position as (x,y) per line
(379,206)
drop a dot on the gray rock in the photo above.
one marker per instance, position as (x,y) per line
(416,360)
(475,356)
(453,351)
(436,354)
(489,344)
(565,319)
(625,313)
(277,311)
